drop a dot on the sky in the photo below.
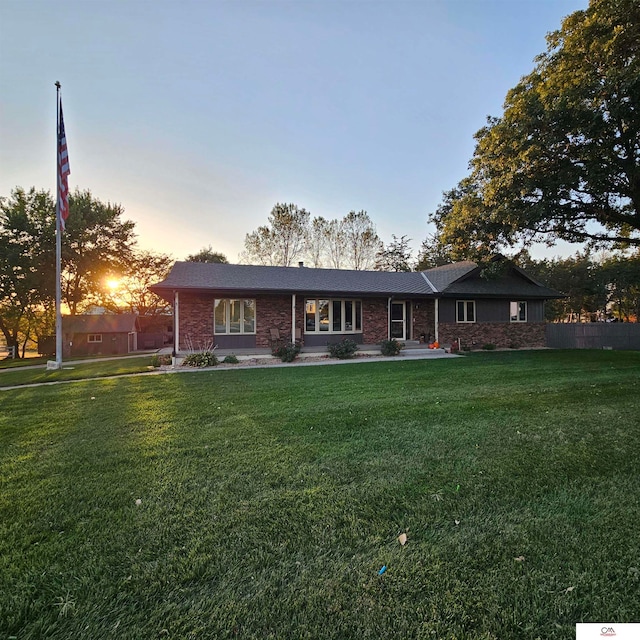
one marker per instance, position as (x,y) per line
(198,116)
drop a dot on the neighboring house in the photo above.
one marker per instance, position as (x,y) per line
(155,331)
(102,334)
(243,306)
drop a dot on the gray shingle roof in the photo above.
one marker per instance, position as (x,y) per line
(200,277)
(459,278)
(442,277)
(511,285)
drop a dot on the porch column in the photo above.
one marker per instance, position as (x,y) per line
(389,318)
(293,318)
(176,326)
(436,320)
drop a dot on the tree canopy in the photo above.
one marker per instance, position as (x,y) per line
(563,161)
(396,256)
(96,245)
(207,254)
(280,242)
(291,235)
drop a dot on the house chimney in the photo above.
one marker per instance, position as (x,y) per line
(301,264)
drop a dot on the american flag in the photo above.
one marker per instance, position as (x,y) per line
(63,173)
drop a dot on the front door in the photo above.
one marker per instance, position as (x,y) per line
(399,320)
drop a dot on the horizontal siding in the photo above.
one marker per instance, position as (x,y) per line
(491,310)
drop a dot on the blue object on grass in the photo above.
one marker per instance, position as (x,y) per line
(384,568)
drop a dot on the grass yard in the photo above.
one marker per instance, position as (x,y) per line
(24,372)
(264,503)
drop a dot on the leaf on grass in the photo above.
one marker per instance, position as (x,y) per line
(457,522)
(569,589)
(402,539)
(519,558)
(138,502)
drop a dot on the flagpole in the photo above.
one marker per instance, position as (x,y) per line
(58,240)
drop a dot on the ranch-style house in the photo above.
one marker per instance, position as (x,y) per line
(245,306)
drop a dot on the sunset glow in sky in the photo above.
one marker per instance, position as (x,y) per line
(198,116)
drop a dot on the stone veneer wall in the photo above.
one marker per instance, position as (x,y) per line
(502,334)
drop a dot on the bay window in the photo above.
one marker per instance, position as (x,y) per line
(332,316)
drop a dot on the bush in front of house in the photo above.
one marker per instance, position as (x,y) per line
(489,346)
(286,352)
(231,359)
(391,347)
(200,359)
(158,360)
(343,350)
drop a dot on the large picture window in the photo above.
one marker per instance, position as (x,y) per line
(234,316)
(518,311)
(332,316)
(466,311)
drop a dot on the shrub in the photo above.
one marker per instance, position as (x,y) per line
(391,347)
(287,352)
(514,345)
(343,350)
(201,359)
(158,360)
(489,346)
(231,359)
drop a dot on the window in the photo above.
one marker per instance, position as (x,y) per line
(234,316)
(466,311)
(332,316)
(518,311)
(94,337)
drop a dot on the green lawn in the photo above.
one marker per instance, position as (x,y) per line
(24,372)
(271,499)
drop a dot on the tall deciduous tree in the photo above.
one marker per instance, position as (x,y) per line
(27,261)
(282,241)
(316,242)
(396,256)
(563,161)
(361,240)
(96,242)
(433,253)
(336,245)
(622,280)
(132,293)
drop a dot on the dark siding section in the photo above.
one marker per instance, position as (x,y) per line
(491,310)
(235,342)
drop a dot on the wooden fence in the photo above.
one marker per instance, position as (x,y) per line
(594,335)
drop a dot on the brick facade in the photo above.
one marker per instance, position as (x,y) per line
(423,320)
(195,315)
(375,326)
(274,312)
